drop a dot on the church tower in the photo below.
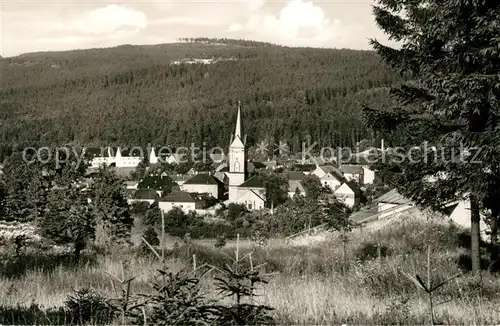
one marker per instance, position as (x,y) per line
(237,160)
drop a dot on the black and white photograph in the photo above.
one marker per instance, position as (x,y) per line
(249,162)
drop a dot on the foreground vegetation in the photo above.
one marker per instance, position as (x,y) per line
(327,282)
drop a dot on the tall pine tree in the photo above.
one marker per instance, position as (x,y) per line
(110,204)
(448,109)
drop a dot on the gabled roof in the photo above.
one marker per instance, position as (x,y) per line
(253,182)
(350,185)
(179,197)
(392,197)
(202,179)
(351,169)
(145,194)
(293,185)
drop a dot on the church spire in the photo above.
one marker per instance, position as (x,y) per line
(237,132)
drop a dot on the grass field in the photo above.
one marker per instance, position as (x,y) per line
(328,282)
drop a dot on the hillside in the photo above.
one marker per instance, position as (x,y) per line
(134,95)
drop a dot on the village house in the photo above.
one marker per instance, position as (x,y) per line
(180,179)
(146,195)
(204,183)
(368,175)
(295,187)
(349,193)
(131,185)
(329,176)
(184,200)
(391,203)
(176,158)
(304,168)
(352,172)
(111,156)
(158,183)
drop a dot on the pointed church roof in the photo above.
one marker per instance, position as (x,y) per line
(237,132)
(237,142)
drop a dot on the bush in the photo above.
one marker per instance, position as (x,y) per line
(86,306)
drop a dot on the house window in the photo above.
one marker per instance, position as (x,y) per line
(250,206)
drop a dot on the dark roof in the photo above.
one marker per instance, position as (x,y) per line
(93,151)
(392,197)
(155,182)
(145,194)
(351,169)
(130,193)
(179,197)
(328,168)
(294,175)
(253,182)
(131,152)
(305,167)
(202,179)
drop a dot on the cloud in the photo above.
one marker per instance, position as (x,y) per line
(298,23)
(110,19)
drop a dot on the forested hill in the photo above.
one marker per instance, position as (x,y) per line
(135,95)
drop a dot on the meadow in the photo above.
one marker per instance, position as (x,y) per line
(360,280)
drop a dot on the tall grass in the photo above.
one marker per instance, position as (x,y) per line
(308,285)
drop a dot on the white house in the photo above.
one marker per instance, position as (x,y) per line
(322,170)
(182,199)
(349,194)
(125,158)
(204,183)
(252,200)
(368,175)
(120,158)
(461,216)
(392,202)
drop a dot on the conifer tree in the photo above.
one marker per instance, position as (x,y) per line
(448,108)
(110,204)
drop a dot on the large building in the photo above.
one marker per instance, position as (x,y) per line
(253,197)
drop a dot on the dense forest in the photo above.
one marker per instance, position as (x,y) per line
(135,95)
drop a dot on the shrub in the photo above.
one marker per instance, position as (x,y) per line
(86,306)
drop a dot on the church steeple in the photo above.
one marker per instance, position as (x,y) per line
(237,160)
(237,132)
(237,141)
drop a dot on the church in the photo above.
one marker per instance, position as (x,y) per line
(242,190)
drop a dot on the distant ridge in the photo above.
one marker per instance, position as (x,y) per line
(187,92)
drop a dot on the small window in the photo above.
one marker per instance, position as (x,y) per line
(250,206)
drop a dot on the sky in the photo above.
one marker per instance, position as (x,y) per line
(56,25)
